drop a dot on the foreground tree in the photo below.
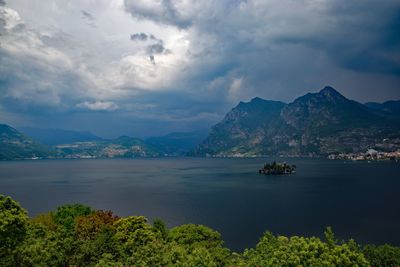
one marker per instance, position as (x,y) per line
(43,247)
(13,222)
(65,215)
(75,235)
(301,251)
(196,245)
(384,255)
(88,226)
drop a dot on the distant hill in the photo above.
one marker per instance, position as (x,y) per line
(72,144)
(122,147)
(57,136)
(390,107)
(15,145)
(178,143)
(314,124)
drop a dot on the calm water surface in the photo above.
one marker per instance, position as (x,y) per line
(359,200)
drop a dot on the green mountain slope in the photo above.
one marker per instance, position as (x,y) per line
(15,145)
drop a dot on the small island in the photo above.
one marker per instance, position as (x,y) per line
(277,169)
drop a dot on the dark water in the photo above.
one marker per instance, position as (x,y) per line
(359,200)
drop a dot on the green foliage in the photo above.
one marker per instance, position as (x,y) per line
(160,227)
(384,255)
(42,247)
(134,231)
(196,245)
(178,255)
(107,260)
(301,251)
(330,237)
(103,245)
(65,215)
(13,220)
(192,234)
(45,220)
(74,235)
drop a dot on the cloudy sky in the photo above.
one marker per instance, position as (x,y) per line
(149,67)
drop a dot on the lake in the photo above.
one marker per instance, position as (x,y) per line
(359,200)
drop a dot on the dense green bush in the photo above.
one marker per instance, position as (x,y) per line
(75,235)
(13,223)
(302,251)
(65,216)
(382,256)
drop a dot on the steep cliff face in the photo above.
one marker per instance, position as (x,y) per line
(244,128)
(314,124)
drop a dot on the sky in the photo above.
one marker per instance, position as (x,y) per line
(150,67)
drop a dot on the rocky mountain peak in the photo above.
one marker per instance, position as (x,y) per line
(330,92)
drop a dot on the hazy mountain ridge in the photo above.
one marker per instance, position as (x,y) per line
(16,145)
(121,147)
(391,107)
(177,143)
(52,137)
(314,124)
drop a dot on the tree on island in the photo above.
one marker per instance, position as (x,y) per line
(277,168)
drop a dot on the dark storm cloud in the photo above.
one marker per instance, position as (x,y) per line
(165,12)
(152,59)
(2,25)
(156,48)
(2,20)
(139,37)
(206,57)
(89,18)
(87,15)
(285,49)
(357,39)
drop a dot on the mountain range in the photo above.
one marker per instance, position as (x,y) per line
(53,137)
(36,143)
(315,124)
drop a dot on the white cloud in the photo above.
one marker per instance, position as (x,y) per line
(55,67)
(10,16)
(98,106)
(235,89)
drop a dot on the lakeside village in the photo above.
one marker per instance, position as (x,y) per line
(370,154)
